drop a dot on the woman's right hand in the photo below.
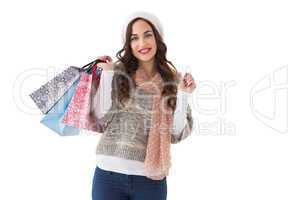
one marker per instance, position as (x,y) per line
(108,65)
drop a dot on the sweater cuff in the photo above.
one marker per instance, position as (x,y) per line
(180,114)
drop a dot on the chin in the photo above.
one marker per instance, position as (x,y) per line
(146,58)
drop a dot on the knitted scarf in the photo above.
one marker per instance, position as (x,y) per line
(158,158)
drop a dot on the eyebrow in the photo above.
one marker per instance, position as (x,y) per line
(148,31)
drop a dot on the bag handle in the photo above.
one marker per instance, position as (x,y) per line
(89,66)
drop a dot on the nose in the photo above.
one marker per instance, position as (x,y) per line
(141,42)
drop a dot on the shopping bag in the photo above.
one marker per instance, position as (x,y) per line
(53,118)
(48,94)
(94,98)
(79,113)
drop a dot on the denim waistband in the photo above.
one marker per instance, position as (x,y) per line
(122,176)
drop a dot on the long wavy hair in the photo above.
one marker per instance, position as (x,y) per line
(127,63)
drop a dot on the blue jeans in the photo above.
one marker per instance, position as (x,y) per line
(108,185)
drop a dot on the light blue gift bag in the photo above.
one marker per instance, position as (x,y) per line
(53,118)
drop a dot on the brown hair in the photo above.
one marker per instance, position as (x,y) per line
(128,64)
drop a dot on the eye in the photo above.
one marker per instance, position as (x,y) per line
(133,38)
(148,35)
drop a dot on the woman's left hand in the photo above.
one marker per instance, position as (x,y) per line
(186,83)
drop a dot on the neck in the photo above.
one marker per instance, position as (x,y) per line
(148,67)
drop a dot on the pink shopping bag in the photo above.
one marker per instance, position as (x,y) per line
(80,112)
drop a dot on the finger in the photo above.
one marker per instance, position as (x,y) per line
(108,58)
(185,75)
(188,80)
(105,58)
(185,82)
(191,83)
(189,76)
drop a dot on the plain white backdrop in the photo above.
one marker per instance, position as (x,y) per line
(244,56)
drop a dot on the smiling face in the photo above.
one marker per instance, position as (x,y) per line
(142,41)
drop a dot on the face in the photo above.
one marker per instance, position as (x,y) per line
(142,41)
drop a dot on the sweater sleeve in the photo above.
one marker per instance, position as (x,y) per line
(182,119)
(105,89)
(105,108)
(180,112)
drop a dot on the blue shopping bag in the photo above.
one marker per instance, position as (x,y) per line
(53,118)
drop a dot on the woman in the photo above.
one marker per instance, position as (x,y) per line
(145,107)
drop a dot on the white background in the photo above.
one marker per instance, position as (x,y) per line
(251,43)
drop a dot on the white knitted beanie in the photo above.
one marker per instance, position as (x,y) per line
(146,15)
